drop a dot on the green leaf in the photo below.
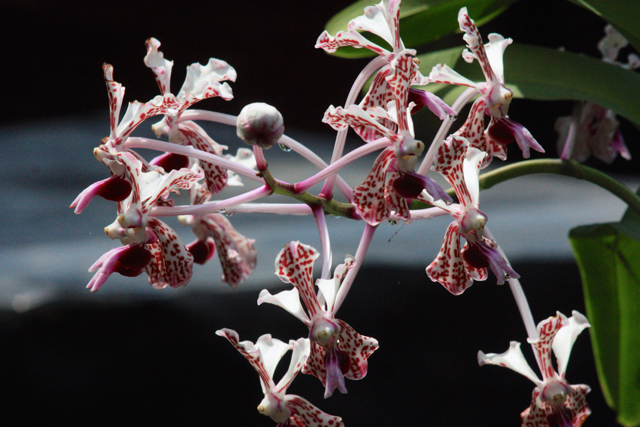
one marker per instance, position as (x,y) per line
(622,14)
(608,256)
(540,73)
(421,21)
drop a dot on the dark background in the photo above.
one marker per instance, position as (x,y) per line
(159,362)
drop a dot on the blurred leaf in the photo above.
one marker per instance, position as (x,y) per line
(608,256)
(540,73)
(622,14)
(421,21)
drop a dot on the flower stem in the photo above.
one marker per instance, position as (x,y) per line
(325,242)
(152,144)
(212,207)
(519,296)
(367,236)
(561,167)
(342,162)
(299,148)
(331,207)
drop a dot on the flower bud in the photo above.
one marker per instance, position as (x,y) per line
(260,124)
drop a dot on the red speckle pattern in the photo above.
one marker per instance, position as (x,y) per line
(473,130)
(369,197)
(366,126)
(237,253)
(254,356)
(448,161)
(350,38)
(310,415)
(474,43)
(215,176)
(116,95)
(294,264)
(539,413)
(547,330)
(357,347)
(403,70)
(172,263)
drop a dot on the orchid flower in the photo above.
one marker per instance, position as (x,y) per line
(391,180)
(456,269)
(202,82)
(236,252)
(337,350)
(136,113)
(383,20)
(593,129)
(170,262)
(288,410)
(501,130)
(554,403)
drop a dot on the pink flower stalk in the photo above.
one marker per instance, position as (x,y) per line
(593,129)
(554,402)
(456,268)
(337,350)
(288,410)
(497,96)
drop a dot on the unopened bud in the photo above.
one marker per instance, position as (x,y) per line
(260,124)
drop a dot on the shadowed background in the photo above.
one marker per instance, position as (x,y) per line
(128,355)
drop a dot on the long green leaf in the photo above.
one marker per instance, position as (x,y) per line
(622,14)
(421,21)
(540,73)
(608,256)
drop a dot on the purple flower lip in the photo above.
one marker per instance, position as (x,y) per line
(202,250)
(474,257)
(170,161)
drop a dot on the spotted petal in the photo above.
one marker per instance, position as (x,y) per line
(448,160)
(368,197)
(161,67)
(294,264)
(350,38)
(216,176)
(252,354)
(203,81)
(402,71)
(357,347)
(311,416)
(366,126)
(172,263)
(116,97)
(236,252)
(575,409)
(547,330)
(473,131)
(448,268)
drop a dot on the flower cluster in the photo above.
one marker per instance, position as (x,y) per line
(395,189)
(593,129)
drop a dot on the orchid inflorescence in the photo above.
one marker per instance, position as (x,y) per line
(396,189)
